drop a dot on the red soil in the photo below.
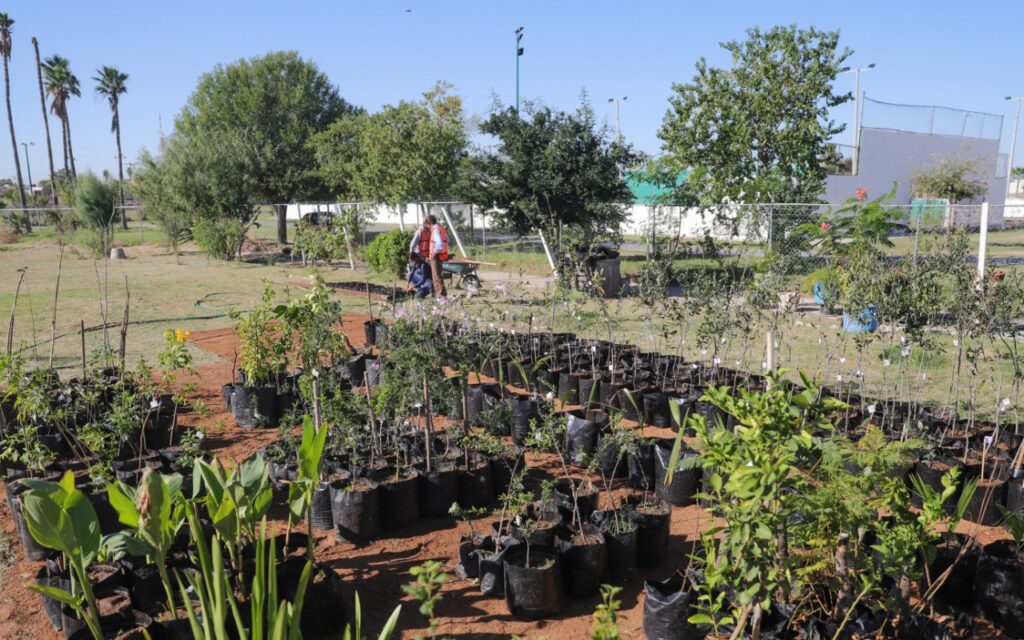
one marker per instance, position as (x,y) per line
(376,571)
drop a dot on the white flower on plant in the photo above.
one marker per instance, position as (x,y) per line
(871,409)
(1005,403)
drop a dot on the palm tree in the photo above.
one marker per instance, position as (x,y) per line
(46,123)
(5,50)
(111,83)
(61,84)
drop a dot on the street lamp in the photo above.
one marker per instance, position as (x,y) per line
(28,166)
(1013,142)
(618,121)
(856,111)
(519,54)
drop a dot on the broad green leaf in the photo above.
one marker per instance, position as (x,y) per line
(123,504)
(59,595)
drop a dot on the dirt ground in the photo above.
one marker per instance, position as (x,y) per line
(377,571)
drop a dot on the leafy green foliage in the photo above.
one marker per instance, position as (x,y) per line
(354,631)
(551,168)
(388,252)
(403,153)
(95,208)
(219,238)
(605,623)
(300,492)
(955,179)
(426,588)
(757,130)
(60,517)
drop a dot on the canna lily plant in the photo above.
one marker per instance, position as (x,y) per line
(154,512)
(60,517)
(300,492)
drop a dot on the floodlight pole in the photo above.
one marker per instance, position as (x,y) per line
(618,120)
(856,112)
(519,54)
(1013,144)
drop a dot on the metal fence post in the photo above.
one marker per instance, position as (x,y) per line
(982,240)
(769,358)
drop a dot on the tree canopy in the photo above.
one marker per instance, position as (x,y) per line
(550,168)
(955,179)
(405,152)
(758,130)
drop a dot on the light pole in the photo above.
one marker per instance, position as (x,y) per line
(28,166)
(618,121)
(1013,143)
(519,54)
(856,111)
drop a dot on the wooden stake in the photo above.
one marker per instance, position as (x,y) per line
(124,323)
(53,317)
(14,305)
(81,331)
(369,301)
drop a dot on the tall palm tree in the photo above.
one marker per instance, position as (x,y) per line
(6,23)
(46,123)
(111,83)
(61,84)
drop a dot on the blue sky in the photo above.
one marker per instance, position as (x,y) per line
(937,52)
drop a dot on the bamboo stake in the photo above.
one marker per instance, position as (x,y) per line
(14,305)
(53,317)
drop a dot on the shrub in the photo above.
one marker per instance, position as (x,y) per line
(389,252)
(219,238)
(95,202)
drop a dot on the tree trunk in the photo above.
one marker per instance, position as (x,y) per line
(282,224)
(14,143)
(120,169)
(64,146)
(71,151)
(46,125)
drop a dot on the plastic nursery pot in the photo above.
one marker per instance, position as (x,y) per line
(584,560)
(491,570)
(580,437)
(988,514)
(226,391)
(253,406)
(589,390)
(321,511)
(680,492)
(1015,496)
(999,587)
(541,533)
(586,500)
(470,547)
(49,578)
(958,588)
(931,472)
(533,590)
(355,507)
(620,543)
(33,550)
(474,485)
(655,406)
(437,491)
(355,367)
(399,500)
(640,464)
(525,411)
(481,398)
(610,457)
(569,387)
(667,611)
(501,472)
(653,528)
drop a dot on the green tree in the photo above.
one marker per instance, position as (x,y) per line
(6,24)
(110,83)
(758,130)
(954,179)
(551,169)
(61,84)
(402,153)
(271,105)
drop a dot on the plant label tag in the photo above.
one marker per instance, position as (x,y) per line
(988,440)
(153,404)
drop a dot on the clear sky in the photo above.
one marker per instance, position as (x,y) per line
(957,54)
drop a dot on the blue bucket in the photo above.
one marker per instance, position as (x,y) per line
(865,322)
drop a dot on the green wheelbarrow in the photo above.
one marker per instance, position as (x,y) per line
(462,272)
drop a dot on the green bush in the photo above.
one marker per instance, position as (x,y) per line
(389,252)
(95,202)
(218,238)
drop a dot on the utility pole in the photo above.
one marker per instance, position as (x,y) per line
(1013,144)
(856,111)
(618,120)
(519,54)
(28,165)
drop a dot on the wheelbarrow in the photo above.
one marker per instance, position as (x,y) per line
(462,271)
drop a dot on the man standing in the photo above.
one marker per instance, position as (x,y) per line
(438,254)
(421,239)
